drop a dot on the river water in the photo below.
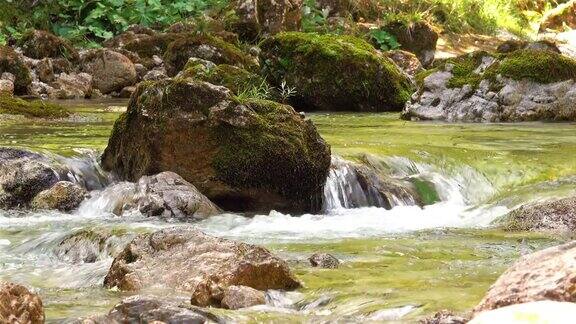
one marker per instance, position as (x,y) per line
(399,264)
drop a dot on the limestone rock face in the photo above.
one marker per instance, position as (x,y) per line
(22,176)
(220,145)
(188,260)
(19,305)
(111,71)
(549,274)
(524,85)
(63,196)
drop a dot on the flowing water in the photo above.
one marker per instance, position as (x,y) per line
(398,264)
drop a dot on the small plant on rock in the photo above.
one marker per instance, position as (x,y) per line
(384,39)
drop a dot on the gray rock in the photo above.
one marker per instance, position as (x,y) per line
(236,297)
(72,86)
(91,245)
(324,260)
(63,196)
(189,260)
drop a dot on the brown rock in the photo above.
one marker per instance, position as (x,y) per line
(189,260)
(63,196)
(560,17)
(45,70)
(557,216)
(324,260)
(72,86)
(549,274)
(11,62)
(236,297)
(418,38)
(39,44)
(267,17)
(19,305)
(127,92)
(406,61)
(111,71)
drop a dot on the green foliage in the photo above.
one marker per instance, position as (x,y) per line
(83,20)
(384,39)
(313,19)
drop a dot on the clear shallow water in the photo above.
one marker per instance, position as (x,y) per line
(405,262)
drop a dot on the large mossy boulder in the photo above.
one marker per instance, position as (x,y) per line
(11,62)
(39,44)
(205,266)
(334,73)
(206,47)
(523,85)
(251,155)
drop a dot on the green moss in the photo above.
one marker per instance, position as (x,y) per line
(236,79)
(154,45)
(34,109)
(332,72)
(221,52)
(10,62)
(426,191)
(463,70)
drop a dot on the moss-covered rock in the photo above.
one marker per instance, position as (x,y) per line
(11,62)
(31,109)
(523,85)
(63,196)
(331,72)
(39,44)
(236,79)
(206,47)
(221,145)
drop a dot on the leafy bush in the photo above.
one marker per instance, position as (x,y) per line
(384,39)
(85,20)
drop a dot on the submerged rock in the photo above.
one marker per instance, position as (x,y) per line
(23,175)
(324,260)
(39,44)
(169,196)
(63,195)
(11,62)
(535,312)
(206,47)
(236,297)
(189,260)
(91,245)
(256,18)
(147,309)
(557,216)
(331,72)
(111,71)
(549,274)
(19,305)
(221,145)
(524,85)
(418,38)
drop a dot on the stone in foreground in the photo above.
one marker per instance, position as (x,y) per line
(19,305)
(244,155)
(190,261)
(549,274)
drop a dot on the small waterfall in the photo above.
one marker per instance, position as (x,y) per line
(85,170)
(112,200)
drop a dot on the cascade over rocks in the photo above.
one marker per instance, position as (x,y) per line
(39,44)
(111,71)
(524,85)
(257,18)
(330,72)
(221,146)
(189,260)
(549,274)
(11,62)
(19,305)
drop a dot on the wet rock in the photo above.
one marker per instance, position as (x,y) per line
(63,196)
(534,312)
(23,175)
(266,17)
(169,196)
(146,309)
(444,317)
(557,216)
(480,87)
(406,61)
(19,305)
(156,75)
(71,86)
(324,260)
(111,71)
(11,62)
(127,92)
(221,145)
(91,245)
(206,47)
(560,18)
(330,75)
(236,297)
(189,260)
(549,274)
(39,44)
(418,38)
